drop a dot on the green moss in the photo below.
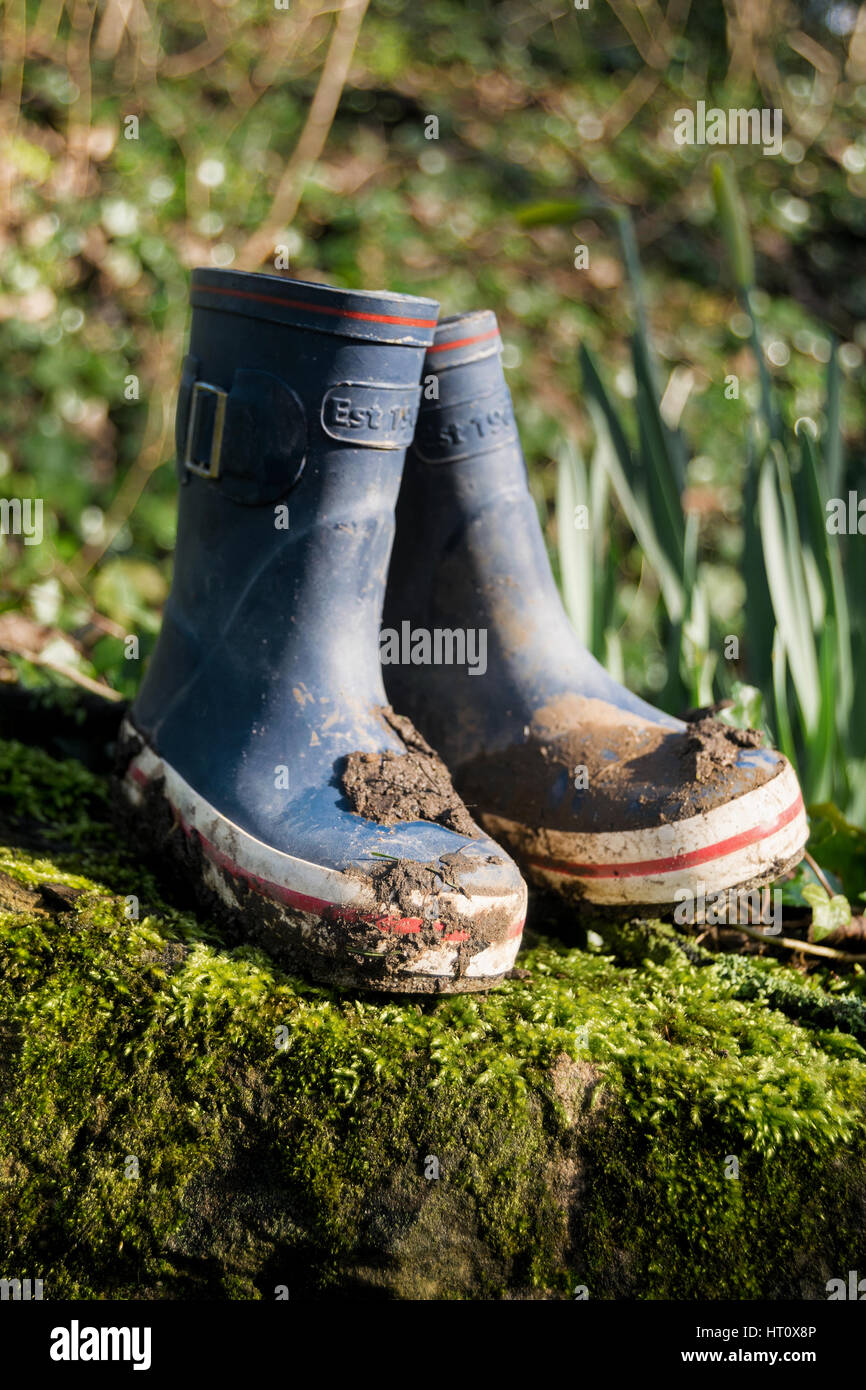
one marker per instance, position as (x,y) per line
(63,798)
(805,1000)
(182,1118)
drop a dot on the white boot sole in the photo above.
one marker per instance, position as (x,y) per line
(749,840)
(235,862)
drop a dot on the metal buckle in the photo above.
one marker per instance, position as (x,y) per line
(211,469)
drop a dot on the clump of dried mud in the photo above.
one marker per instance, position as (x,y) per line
(709,744)
(391,787)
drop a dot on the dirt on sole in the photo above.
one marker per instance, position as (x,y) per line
(347,948)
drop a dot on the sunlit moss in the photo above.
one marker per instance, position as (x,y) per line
(582,1119)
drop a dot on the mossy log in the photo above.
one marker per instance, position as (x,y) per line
(182,1119)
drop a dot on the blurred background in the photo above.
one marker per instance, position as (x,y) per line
(697,383)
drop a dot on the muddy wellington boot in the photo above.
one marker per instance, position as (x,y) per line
(260,756)
(597,794)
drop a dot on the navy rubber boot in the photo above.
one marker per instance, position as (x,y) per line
(260,757)
(597,794)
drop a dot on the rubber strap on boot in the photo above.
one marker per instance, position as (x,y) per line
(251,441)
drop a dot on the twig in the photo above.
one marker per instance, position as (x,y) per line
(159,371)
(115,22)
(650,47)
(791,943)
(314,135)
(377,854)
(819,874)
(656,58)
(80,116)
(69,671)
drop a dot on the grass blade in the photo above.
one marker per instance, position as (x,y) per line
(620,465)
(787,588)
(834,447)
(573,544)
(784,729)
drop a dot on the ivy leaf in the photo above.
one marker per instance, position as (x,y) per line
(828,914)
(839,846)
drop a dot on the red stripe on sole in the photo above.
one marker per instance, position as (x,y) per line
(674,861)
(305,304)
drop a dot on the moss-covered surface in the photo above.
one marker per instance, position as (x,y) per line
(182,1119)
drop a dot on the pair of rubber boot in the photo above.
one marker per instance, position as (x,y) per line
(263,757)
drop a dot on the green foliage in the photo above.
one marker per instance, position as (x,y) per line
(804,1000)
(841,848)
(102,229)
(735,227)
(151,1037)
(805,634)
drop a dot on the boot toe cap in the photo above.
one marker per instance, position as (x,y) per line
(458,917)
(663,824)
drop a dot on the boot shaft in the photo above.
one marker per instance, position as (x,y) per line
(295,408)
(293,396)
(470,554)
